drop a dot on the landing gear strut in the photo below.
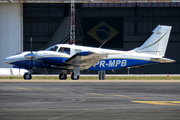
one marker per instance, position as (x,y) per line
(75,75)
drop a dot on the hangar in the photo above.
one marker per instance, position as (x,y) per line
(48,23)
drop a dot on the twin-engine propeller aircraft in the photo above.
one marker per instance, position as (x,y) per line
(73,57)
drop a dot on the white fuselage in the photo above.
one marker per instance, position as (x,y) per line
(114,58)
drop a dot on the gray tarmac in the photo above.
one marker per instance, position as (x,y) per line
(89,100)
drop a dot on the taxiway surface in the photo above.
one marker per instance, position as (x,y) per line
(89,100)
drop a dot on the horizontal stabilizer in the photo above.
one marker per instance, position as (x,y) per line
(162,60)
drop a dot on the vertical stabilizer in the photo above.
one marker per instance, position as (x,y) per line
(156,44)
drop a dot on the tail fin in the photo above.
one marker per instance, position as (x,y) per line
(156,44)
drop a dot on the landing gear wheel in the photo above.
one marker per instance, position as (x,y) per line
(63,76)
(27,76)
(74,78)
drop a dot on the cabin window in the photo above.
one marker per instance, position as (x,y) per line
(54,48)
(64,50)
(77,51)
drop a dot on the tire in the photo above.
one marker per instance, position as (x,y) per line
(73,78)
(27,76)
(63,76)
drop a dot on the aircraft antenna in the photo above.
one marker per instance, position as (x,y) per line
(103,43)
(72,29)
(31,44)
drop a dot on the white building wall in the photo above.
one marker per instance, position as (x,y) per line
(11,30)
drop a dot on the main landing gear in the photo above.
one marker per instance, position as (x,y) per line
(73,77)
(63,76)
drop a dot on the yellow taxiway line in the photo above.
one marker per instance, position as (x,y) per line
(159,102)
(142,102)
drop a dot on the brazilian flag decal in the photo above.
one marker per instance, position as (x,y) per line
(98,30)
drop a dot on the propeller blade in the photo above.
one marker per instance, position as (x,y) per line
(30,55)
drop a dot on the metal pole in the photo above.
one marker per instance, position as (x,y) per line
(101,75)
(128,70)
(72,29)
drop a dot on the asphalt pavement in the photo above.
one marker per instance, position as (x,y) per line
(89,100)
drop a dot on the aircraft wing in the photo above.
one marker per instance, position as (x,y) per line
(84,59)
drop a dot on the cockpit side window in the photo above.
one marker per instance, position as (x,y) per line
(64,50)
(77,50)
(54,48)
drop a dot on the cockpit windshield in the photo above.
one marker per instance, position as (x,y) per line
(53,48)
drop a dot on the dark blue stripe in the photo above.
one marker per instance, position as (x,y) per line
(84,53)
(111,64)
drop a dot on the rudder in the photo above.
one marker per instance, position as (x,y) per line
(156,44)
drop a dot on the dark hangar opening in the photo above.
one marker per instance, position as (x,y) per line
(42,20)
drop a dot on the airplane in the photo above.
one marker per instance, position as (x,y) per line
(74,57)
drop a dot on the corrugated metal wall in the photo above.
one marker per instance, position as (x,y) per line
(84,1)
(40,22)
(139,19)
(11,28)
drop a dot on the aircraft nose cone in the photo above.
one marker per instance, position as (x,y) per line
(7,60)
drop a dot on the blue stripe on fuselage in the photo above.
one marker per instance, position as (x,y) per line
(42,62)
(52,60)
(110,64)
(84,53)
(105,64)
(32,63)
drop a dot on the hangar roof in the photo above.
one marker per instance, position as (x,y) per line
(84,1)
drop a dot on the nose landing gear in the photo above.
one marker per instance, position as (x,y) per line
(27,76)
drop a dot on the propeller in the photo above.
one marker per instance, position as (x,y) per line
(30,55)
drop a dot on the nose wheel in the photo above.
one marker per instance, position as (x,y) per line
(27,76)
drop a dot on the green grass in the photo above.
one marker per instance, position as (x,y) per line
(96,78)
